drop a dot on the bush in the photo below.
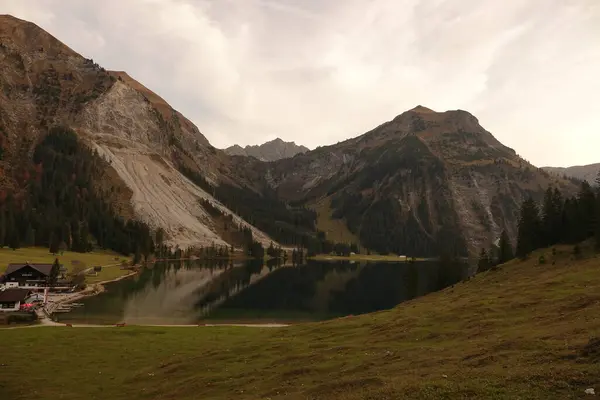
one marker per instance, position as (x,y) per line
(577,251)
(21,317)
(542,260)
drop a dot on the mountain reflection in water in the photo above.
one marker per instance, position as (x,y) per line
(189,292)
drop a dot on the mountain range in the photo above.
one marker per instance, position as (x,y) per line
(582,172)
(423,183)
(270,151)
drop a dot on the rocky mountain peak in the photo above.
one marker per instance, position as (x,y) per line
(422,109)
(272,150)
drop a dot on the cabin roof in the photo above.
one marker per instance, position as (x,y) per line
(13,295)
(45,269)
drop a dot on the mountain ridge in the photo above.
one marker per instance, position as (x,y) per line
(422,170)
(271,150)
(587,172)
(422,183)
(144,141)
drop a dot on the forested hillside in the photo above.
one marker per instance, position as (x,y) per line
(62,208)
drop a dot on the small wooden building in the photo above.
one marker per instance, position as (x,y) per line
(11,299)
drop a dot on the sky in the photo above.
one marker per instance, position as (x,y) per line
(320,71)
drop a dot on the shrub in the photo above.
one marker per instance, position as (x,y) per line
(542,260)
(577,251)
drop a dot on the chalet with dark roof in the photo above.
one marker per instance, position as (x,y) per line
(29,275)
(11,299)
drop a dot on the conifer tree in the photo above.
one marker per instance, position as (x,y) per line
(484,261)
(505,250)
(53,243)
(55,270)
(552,216)
(597,230)
(586,200)
(548,216)
(2,227)
(29,236)
(529,235)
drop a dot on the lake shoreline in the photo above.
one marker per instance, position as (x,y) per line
(90,291)
(373,258)
(322,291)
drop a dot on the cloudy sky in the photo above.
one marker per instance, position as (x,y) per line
(320,71)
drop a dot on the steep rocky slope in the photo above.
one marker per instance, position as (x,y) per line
(582,172)
(273,150)
(423,183)
(45,83)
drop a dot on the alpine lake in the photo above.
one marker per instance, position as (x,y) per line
(196,292)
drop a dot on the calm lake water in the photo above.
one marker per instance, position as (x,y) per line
(192,292)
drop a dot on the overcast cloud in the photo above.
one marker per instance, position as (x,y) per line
(320,71)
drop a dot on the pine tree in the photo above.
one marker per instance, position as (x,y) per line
(2,227)
(484,261)
(137,256)
(547,216)
(55,271)
(14,240)
(597,227)
(29,236)
(529,236)
(54,243)
(558,227)
(570,221)
(586,201)
(552,216)
(160,237)
(271,250)
(505,250)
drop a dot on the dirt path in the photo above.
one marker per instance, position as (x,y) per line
(50,323)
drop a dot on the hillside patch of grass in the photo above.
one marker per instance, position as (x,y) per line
(523,331)
(335,229)
(87,260)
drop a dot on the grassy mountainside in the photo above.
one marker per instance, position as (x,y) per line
(524,331)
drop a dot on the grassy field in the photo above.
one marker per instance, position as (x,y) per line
(42,255)
(523,331)
(335,229)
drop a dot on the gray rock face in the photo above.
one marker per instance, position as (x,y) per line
(270,151)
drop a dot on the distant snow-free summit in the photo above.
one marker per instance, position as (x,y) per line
(273,150)
(583,172)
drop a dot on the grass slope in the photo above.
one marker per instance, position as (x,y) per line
(42,255)
(335,229)
(524,331)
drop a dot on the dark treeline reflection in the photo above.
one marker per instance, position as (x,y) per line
(188,292)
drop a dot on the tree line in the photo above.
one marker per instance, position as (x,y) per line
(284,223)
(559,219)
(61,209)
